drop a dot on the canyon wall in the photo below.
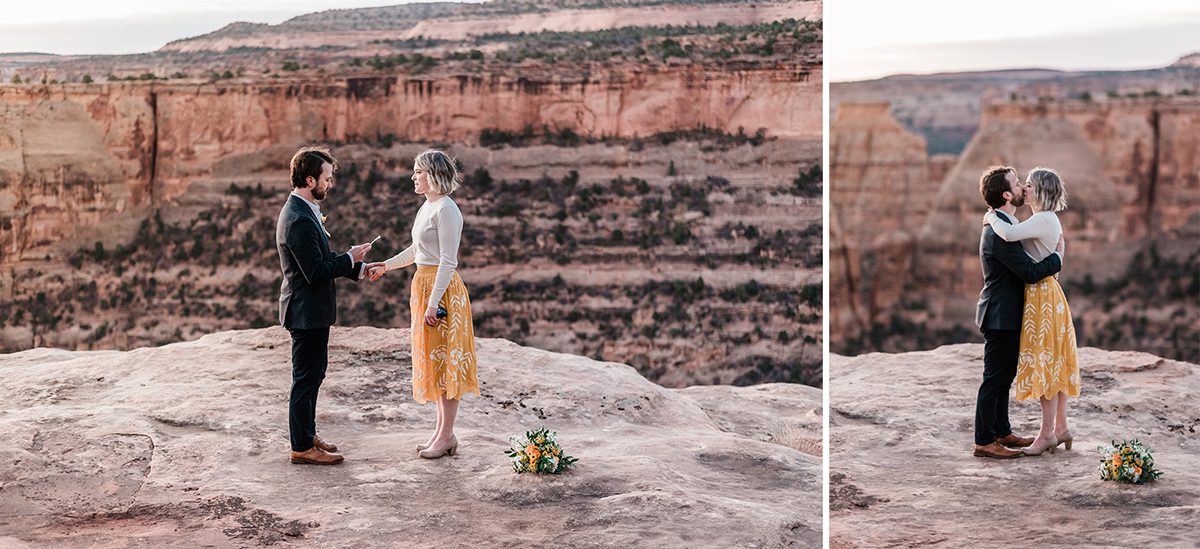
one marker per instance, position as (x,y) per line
(882,177)
(1132,171)
(947,108)
(72,155)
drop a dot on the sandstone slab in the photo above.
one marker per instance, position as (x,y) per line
(186,445)
(902,473)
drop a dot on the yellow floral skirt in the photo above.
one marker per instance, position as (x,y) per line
(443,356)
(1047,364)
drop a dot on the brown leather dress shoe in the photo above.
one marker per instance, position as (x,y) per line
(316,456)
(327,446)
(996,451)
(1014,441)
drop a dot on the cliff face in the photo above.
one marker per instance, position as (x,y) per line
(1132,171)
(947,109)
(881,175)
(142,214)
(186,445)
(1131,168)
(73,155)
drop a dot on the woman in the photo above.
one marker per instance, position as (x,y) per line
(443,349)
(1047,368)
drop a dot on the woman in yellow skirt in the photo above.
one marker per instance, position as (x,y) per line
(1047,368)
(443,336)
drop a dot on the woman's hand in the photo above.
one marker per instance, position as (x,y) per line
(376,270)
(986,221)
(431,315)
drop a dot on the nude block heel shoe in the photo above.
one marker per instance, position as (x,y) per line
(453,440)
(1038,449)
(1066,438)
(429,453)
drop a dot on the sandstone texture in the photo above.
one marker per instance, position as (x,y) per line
(881,170)
(638,189)
(913,274)
(87,152)
(450,21)
(946,108)
(902,473)
(186,445)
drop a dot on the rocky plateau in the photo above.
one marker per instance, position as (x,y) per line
(186,445)
(912,414)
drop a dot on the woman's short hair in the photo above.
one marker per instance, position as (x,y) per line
(441,170)
(1049,193)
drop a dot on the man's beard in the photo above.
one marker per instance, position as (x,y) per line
(1018,202)
(320,194)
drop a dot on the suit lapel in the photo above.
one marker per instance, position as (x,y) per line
(299,204)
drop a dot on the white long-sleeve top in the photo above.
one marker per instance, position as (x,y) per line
(1038,234)
(436,233)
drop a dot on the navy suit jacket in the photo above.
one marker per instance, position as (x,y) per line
(307,298)
(1006,271)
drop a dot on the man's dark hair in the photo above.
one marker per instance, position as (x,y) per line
(307,163)
(994,183)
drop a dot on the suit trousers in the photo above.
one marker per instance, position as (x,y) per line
(310,357)
(1001,349)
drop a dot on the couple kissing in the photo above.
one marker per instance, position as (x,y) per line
(1027,330)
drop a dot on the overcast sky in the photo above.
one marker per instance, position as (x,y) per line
(863,38)
(138,26)
(873,38)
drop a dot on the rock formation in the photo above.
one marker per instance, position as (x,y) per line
(632,192)
(73,156)
(902,473)
(881,175)
(452,21)
(1132,171)
(947,108)
(1133,177)
(186,445)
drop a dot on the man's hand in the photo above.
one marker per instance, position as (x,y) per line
(376,270)
(1062,245)
(431,315)
(357,253)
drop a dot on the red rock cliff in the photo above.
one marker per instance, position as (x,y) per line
(71,155)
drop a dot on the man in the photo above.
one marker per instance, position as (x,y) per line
(1006,271)
(307,299)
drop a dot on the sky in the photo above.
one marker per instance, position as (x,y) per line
(863,38)
(73,27)
(866,39)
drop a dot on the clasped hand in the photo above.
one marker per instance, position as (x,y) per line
(376,270)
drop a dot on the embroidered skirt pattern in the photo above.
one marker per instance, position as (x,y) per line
(1047,364)
(443,356)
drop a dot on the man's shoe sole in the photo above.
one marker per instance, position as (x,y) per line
(979,454)
(302,461)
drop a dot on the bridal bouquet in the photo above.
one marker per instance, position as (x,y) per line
(538,452)
(1127,461)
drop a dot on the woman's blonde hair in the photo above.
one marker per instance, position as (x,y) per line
(442,170)
(1049,192)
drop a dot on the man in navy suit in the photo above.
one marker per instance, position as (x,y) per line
(1006,271)
(307,298)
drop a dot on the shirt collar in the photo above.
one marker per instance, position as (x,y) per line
(316,208)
